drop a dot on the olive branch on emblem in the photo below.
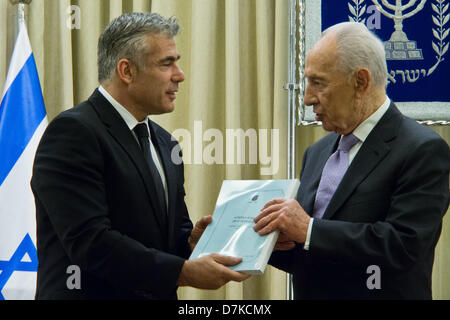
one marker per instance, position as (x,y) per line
(357,11)
(440,33)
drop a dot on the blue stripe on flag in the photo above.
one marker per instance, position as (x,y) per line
(21,112)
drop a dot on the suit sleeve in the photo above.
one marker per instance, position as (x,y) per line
(183,248)
(413,221)
(68,183)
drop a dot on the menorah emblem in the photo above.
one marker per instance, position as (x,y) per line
(399,47)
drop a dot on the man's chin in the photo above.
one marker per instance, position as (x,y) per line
(171,108)
(164,110)
(330,128)
(326,126)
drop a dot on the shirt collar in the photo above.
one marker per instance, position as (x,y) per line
(129,119)
(364,129)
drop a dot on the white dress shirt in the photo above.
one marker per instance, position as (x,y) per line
(131,122)
(361,132)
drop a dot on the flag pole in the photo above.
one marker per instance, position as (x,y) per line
(20,11)
(291,86)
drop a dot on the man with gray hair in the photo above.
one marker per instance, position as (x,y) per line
(112,222)
(373,193)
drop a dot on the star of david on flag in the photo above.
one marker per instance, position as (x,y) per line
(22,123)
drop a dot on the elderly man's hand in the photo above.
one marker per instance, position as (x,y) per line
(198,230)
(287,216)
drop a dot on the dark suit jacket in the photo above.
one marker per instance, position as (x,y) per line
(387,211)
(96,207)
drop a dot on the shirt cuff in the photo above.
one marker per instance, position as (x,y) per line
(308,234)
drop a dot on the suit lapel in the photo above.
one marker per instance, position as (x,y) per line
(165,153)
(118,129)
(374,149)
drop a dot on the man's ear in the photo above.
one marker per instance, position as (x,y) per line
(363,79)
(126,70)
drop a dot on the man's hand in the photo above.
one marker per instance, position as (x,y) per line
(198,230)
(284,243)
(287,216)
(210,272)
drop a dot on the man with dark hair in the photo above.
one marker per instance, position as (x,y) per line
(109,200)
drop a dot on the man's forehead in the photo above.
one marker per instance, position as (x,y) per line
(318,68)
(162,45)
(321,59)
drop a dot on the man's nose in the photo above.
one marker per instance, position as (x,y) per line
(309,98)
(178,75)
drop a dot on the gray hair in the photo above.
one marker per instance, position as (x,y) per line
(125,38)
(358,47)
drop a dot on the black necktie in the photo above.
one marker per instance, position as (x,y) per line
(142,133)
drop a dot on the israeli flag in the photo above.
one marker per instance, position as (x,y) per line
(22,123)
